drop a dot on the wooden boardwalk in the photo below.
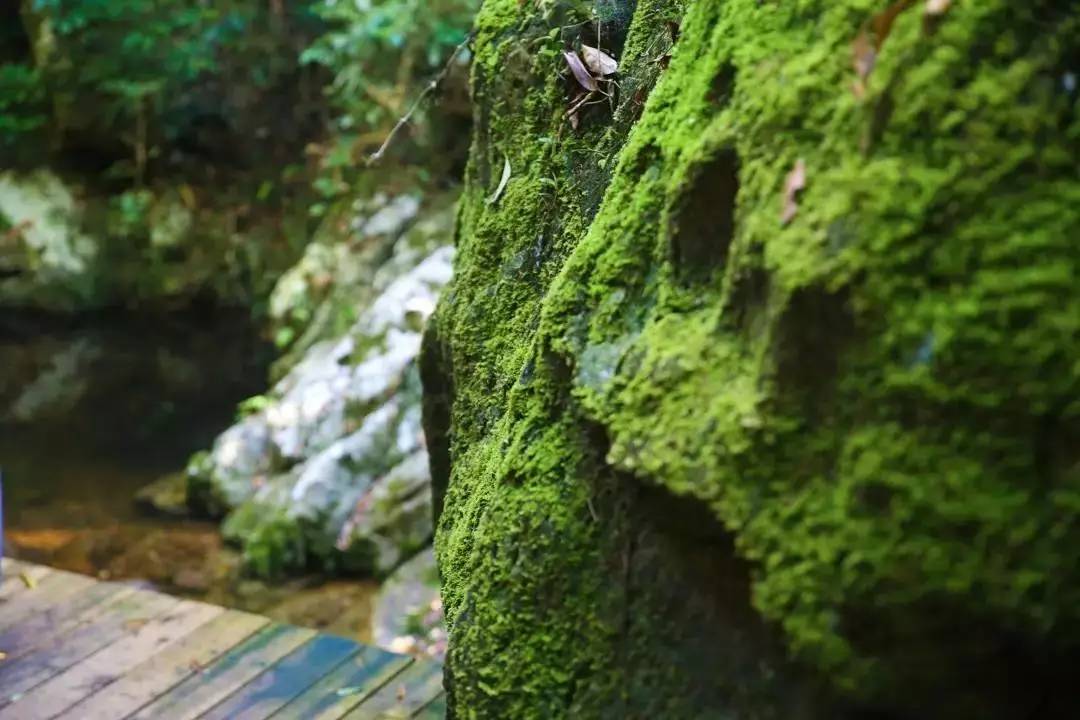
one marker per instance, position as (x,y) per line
(79,649)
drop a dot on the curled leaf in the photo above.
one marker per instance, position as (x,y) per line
(599,61)
(795,183)
(581,73)
(502,182)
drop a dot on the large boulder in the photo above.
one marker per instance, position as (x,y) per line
(65,248)
(46,259)
(329,469)
(755,393)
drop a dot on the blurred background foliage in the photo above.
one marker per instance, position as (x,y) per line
(254,118)
(131,90)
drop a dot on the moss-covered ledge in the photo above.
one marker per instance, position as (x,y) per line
(693,416)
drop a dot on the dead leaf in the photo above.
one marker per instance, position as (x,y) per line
(937,7)
(503,182)
(795,183)
(581,73)
(864,57)
(933,14)
(867,44)
(599,61)
(882,23)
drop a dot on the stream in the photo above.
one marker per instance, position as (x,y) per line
(91,411)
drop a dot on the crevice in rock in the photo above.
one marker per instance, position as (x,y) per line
(701,222)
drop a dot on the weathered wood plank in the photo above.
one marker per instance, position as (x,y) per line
(96,629)
(404,695)
(294,674)
(57,619)
(77,649)
(167,669)
(201,692)
(434,710)
(110,663)
(52,589)
(346,687)
(16,575)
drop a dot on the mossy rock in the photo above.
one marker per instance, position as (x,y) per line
(714,440)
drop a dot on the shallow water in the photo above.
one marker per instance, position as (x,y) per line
(90,412)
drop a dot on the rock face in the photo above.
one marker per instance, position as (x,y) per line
(329,469)
(65,249)
(774,359)
(45,257)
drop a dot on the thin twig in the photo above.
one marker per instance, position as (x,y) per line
(431,87)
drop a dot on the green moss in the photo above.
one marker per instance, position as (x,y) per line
(876,400)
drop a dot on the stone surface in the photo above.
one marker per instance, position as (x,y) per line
(166,497)
(65,248)
(754,394)
(407,615)
(328,469)
(46,260)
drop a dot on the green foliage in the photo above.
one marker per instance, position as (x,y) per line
(154,71)
(381,54)
(23,108)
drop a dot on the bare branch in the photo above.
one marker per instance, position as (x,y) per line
(431,87)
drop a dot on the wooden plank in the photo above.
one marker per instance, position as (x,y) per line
(294,674)
(404,695)
(347,686)
(434,710)
(165,670)
(14,580)
(228,673)
(53,588)
(95,630)
(110,663)
(57,619)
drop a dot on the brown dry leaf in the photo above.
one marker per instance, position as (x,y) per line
(867,45)
(599,61)
(581,73)
(864,56)
(795,183)
(882,23)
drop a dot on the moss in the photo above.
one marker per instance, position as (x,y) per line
(875,401)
